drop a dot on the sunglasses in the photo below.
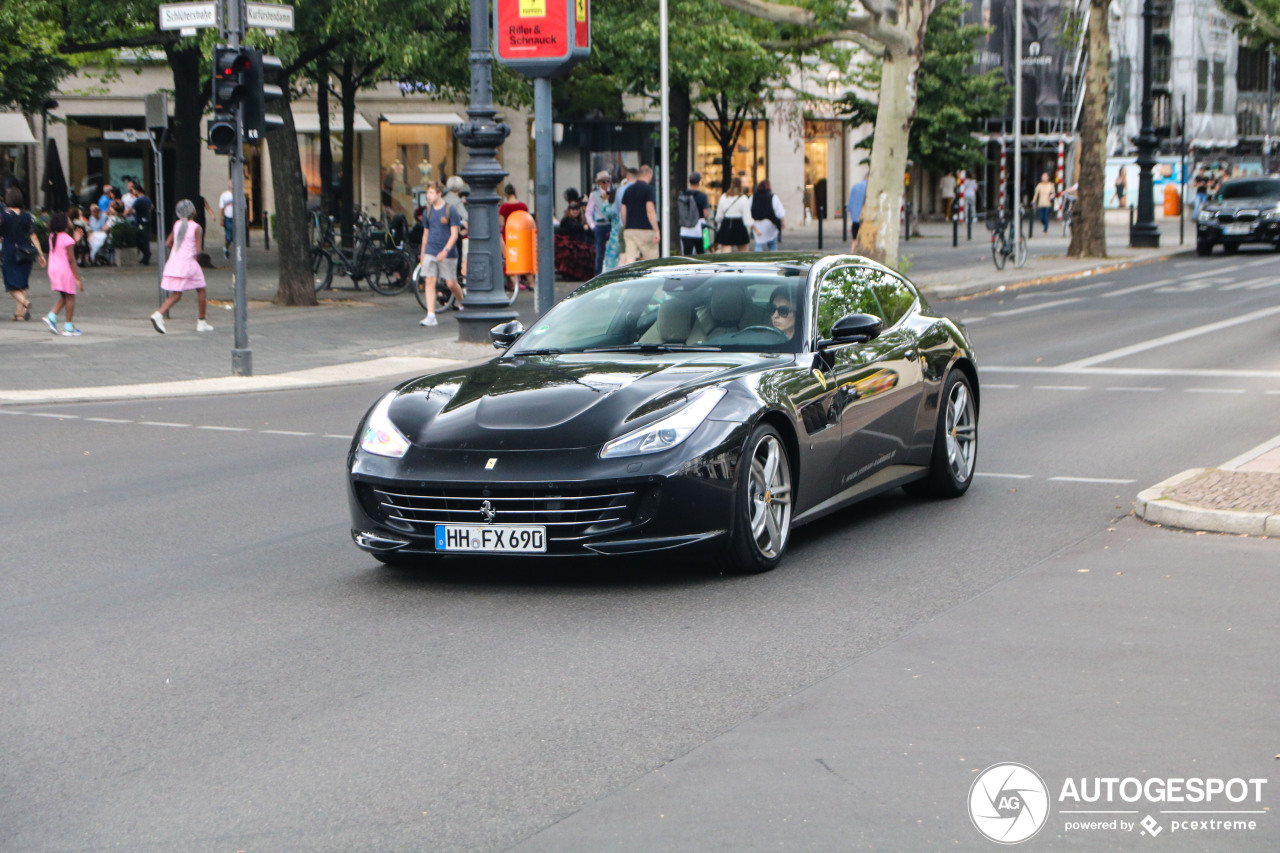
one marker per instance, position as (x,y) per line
(782,310)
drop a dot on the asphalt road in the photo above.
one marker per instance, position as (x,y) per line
(194,656)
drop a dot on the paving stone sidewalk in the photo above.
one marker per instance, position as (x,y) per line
(1241,496)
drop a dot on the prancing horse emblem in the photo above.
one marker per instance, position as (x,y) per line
(486,509)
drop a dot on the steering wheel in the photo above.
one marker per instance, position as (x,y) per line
(782,336)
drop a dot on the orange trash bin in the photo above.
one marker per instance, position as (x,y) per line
(521,235)
(1172,204)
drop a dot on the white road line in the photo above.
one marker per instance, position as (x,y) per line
(343,437)
(1271,392)
(1003,476)
(10,412)
(1147,286)
(1262,262)
(1211,372)
(225,428)
(972,319)
(53,415)
(1059,387)
(1106,480)
(1214,390)
(1145,388)
(1252,283)
(109,420)
(282,432)
(163,424)
(986,385)
(1211,272)
(1096,284)
(1014,311)
(1165,340)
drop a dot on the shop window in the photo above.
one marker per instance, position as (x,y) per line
(412,155)
(821,164)
(749,160)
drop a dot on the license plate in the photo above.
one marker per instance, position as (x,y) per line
(1238,228)
(492,538)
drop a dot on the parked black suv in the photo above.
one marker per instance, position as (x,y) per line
(1246,210)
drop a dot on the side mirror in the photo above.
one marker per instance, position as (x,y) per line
(505,334)
(853,329)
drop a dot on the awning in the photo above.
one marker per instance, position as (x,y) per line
(423,118)
(14,130)
(310,123)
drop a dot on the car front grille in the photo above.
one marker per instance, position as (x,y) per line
(1227,217)
(569,514)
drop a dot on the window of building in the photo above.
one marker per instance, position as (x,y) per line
(1202,85)
(822,165)
(1219,85)
(412,155)
(749,159)
(309,153)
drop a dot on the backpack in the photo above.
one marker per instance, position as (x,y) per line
(687,207)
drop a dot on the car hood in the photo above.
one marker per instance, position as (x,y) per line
(557,402)
(1262,203)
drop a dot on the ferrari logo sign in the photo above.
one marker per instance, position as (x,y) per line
(580,11)
(533,8)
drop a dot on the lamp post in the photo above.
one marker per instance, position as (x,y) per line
(487,303)
(1144,233)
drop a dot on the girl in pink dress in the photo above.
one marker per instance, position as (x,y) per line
(64,276)
(181,271)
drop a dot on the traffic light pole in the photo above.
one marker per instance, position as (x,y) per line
(241,354)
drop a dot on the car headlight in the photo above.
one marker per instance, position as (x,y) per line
(668,432)
(1205,216)
(380,436)
(1272,215)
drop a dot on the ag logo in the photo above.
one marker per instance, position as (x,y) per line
(1008,803)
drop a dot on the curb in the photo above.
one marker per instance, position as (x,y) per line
(965,291)
(1153,505)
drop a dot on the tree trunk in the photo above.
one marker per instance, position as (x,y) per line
(1088,227)
(878,233)
(188,106)
(326,141)
(348,90)
(296,284)
(681,109)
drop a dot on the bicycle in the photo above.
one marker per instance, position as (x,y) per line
(1068,213)
(386,268)
(1002,244)
(445,298)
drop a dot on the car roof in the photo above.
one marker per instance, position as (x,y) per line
(800,263)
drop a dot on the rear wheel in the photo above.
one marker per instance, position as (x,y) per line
(321,269)
(997,251)
(762,505)
(391,276)
(1020,252)
(955,443)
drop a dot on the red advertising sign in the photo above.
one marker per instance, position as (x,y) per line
(581,26)
(533,36)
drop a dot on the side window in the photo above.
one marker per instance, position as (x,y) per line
(896,297)
(846,290)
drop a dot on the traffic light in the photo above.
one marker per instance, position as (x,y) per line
(257,121)
(231,67)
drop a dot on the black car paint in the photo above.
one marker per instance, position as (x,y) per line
(1210,234)
(856,419)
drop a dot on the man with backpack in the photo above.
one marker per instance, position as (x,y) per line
(692,208)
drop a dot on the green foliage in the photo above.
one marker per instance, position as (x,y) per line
(1257,20)
(30,66)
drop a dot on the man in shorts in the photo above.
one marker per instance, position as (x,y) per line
(439,257)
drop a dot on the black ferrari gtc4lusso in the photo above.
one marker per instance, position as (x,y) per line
(708,403)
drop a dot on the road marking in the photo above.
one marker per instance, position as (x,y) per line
(1253,283)
(1059,387)
(1014,311)
(1271,392)
(10,412)
(1147,286)
(1003,476)
(330,435)
(1080,289)
(1215,373)
(282,432)
(1105,480)
(972,319)
(109,420)
(52,415)
(1214,390)
(163,424)
(1261,262)
(225,428)
(1215,271)
(1133,388)
(1174,338)
(987,385)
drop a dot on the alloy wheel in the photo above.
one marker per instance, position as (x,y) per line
(769,496)
(961,432)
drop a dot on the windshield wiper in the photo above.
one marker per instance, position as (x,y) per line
(654,348)
(536,352)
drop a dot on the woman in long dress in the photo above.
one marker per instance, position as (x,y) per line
(181,271)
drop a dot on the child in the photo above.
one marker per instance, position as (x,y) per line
(181,271)
(64,276)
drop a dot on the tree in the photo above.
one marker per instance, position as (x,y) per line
(30,65)
(894,33)
(1088,228)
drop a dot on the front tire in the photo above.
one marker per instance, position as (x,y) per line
(1204,248)
(762,505)
(955,443)
(321,269)
(997,251)
(1230,248)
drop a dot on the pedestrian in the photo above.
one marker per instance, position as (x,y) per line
(64,275)
(508,207)
(969,192)
(947,192)
(733,218)
(456,192)
(613,248)
(1201,185)
(182,271)
(104,200)
(598,219)
(227,208)
(693,209)
(857,198)
(1122,184)
(19,251)
(640,230)
(630,174)
(766,217)
(438,256)
(1042,200)
(142,210)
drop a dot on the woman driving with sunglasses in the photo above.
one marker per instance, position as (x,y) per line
(782,312)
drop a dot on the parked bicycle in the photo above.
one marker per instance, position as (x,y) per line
(1003,244)
(1068,212)
(386,267)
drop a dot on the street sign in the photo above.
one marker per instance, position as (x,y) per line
(126,135)
(534,37)
(269,16)
(188,17)
(581,29)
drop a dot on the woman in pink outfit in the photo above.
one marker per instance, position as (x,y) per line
(181,271)
(64,277)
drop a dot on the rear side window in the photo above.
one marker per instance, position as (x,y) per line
(895,296)
(844,291)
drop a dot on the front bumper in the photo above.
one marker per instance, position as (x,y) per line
(1259,231)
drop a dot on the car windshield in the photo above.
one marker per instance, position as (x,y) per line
(740,308)
(1260,188)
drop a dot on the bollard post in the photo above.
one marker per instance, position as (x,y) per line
(819,233)
(968,218)
(955,230)
(844,224)
(266,230)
